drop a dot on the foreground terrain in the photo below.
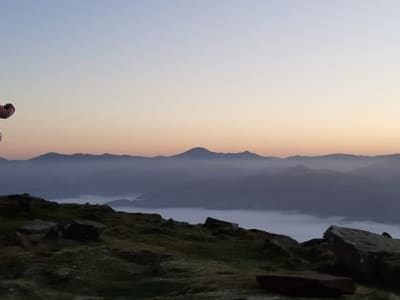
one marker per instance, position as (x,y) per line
(92,252)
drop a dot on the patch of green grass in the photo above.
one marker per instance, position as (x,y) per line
(144,257)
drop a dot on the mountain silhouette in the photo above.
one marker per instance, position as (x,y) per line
(203,153)
(54,157)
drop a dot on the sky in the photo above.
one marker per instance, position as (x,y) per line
(148,77)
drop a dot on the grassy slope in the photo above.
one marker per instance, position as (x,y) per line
(142,257)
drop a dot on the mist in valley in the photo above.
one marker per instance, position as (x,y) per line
(357,187)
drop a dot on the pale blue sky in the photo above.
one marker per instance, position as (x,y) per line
(157,77)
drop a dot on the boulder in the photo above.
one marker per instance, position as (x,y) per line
(83,230)
(35,231)
(318,250)
(39,227)
(386,234)
(367,256)
(212,223)
(306,284)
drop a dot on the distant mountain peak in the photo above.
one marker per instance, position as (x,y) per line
(204,153)
(196,153)
(55,157)
(49,156)
(199,150)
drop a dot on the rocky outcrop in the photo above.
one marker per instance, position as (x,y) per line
(83,230)
(38,231)
(175,259)
(212,223)
(367,256)
(306,285)
(386,234)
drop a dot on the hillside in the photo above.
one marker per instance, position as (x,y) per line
(75,251)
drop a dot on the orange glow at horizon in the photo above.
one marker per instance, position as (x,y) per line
(292,78)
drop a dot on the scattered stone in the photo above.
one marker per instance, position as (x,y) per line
(212,223)
(83,230)
(306,285)
(367,256)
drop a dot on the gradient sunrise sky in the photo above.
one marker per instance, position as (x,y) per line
(158,77)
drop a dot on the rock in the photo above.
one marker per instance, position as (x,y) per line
(318,247)
(386,234)
(212,223)
(367,256)
(313,243)
(40,227)
(306,285)
(318,250)
(83,230)
(35,231)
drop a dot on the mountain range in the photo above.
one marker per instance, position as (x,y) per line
(362,187)
(204,153)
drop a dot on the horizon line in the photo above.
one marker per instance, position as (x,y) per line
(210,151)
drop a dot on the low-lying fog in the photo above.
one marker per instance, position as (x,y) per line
(301,227)
(357,187)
